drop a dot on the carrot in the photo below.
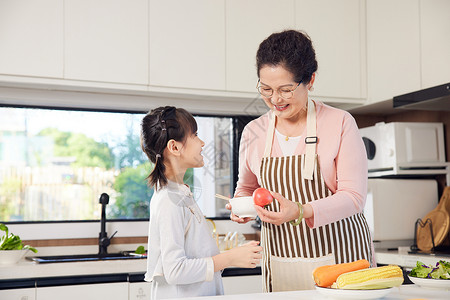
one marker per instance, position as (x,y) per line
(325,276)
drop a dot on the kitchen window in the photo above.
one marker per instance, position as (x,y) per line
(55,163)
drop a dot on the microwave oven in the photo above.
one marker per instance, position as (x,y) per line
(393,206)
(405,148)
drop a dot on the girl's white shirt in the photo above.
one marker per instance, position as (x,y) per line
(180,246)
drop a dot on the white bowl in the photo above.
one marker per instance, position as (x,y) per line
(430,283)
(10,257)
(339,294)
(243,207)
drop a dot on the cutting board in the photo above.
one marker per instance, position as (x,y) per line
(440,221)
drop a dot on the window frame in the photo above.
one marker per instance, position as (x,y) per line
(90,228)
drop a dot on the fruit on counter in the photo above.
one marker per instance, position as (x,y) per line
(441,271)
(325,276)
(371,278)
(262,197)
(9,241)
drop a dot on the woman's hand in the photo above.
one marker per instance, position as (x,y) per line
(235,218)
(288,211)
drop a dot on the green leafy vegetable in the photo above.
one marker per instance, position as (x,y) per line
(140,250)
(440,271)
(9,241)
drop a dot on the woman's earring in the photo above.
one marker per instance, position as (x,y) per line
(311,89)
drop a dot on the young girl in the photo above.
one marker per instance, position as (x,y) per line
(183,258)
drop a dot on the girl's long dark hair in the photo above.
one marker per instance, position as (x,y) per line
(158,127)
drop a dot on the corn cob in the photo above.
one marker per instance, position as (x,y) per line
(371,278)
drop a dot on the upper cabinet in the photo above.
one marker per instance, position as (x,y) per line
(186,50)
(337,29)
(408,46)
(31,38)
(106,41)
(393,48)
(248,23)
(187,44)
(435,42)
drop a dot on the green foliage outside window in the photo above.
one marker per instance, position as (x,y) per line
(87,151)
(133,194)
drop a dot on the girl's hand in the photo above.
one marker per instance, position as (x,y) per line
(288,211)
(235,218)
(247,255)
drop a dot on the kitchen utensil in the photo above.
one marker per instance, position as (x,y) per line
(227,236)
(226,240)
(440,221)
(222,197)
(233,240)
(212,228)
(243,207)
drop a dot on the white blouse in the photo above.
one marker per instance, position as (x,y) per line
(287,147)
(180,247)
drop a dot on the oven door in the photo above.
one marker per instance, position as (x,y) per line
(380,147)
(419,144)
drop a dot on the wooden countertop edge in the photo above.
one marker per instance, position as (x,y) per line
(94,241)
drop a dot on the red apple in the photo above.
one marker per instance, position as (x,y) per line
(262,197)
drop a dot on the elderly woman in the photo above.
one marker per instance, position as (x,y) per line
(312,158)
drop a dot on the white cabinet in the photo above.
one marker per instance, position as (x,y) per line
(110,291)
(18,294)
(248,23)
(31,38)
(393,48)
(242,284)
(408,46)
(139,291)
(337,30)
(365,49)
(106,41)
(435,42)
(187,44)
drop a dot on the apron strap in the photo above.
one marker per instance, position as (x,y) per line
(310,141)
(269,136)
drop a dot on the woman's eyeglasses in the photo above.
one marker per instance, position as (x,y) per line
(284,92)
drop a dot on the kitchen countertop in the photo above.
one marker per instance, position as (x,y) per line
(402,258)
(29,269)
(403,292)
(26,269)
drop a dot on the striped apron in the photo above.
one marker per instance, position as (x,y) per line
(291,253)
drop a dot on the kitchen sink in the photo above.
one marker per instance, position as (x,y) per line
(86,257)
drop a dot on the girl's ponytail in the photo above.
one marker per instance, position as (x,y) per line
(157,177)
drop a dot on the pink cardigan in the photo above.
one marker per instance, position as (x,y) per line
(342,161)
